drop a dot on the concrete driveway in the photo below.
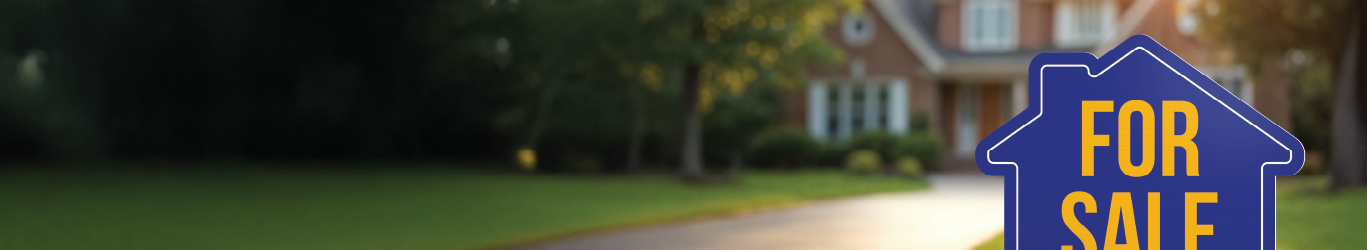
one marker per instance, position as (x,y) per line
(958,212)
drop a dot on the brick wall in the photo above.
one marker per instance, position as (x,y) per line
(948,28)
(1036,26)
(1161,25)
(885,56)
(1271,95)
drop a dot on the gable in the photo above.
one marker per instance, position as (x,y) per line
(887,54)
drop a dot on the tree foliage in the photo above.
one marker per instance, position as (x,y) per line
(245,79)
(1330,31)
(1306,37)
(388,79)
(580,62)
(1268,29)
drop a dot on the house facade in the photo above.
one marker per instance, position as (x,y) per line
(962,63)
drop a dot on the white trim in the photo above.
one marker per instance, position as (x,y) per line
(816,110)
(898,94)
(1262,216)
(909,34)
(1133,17)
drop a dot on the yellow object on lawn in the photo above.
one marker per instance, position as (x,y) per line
(526,158)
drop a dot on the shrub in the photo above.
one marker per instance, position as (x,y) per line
(909,166)
(873,140)
(783,146)
(921,145)
(864,161)
(830,157)
(920,121)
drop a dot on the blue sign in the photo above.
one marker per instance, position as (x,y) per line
(1137,150)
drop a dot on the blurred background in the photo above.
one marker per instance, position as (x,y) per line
(600,124)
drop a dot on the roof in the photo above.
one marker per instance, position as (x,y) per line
(914,22)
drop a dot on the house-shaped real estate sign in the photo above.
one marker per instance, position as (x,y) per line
(1136,150)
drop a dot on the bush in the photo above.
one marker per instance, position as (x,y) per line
(920,122)
(919,144)
(923,146)
(864,161)
(783,147)
(909,166)
(830,157)
(873,140)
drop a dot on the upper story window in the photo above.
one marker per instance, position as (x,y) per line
(1082,23)
(989,25)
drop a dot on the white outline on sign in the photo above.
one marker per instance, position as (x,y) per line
(1262,221)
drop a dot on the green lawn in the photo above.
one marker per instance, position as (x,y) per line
(996,243)
(417,209)
(1307,216)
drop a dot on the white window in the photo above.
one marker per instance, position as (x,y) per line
(836,111)
(1082,23)
(989,25)
(857,29)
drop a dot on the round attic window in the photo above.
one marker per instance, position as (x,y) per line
(858,29)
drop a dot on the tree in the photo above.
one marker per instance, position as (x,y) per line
(578,63)
(743,41)
(713,45)
(1263,31)
(736,119)
(247,79)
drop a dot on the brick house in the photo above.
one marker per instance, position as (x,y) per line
(963,63)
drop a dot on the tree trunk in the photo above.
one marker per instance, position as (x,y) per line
(1348,144)
(638,130)
(737,161)
(690,155)
(543,110)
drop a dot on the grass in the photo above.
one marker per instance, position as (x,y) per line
(428,209)
(1308,217)
(996,243)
